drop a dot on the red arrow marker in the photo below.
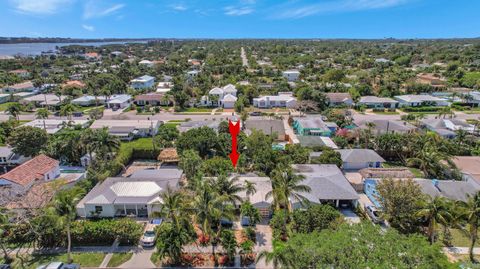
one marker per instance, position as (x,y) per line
(234,131)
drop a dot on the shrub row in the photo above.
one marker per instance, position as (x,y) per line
(104,232)
(422,109)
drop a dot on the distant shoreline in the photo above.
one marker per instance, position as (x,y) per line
(26,40)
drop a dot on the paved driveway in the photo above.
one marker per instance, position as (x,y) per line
(140,259)
(350,216)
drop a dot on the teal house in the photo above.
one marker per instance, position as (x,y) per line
(313,126)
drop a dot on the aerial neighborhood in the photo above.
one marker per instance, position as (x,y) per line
(123,155)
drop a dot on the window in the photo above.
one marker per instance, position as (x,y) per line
(98,209)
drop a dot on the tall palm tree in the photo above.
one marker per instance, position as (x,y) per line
(210,209)
(471,214)
(173,207)
(228,188)
(368,133)
(103,143)
(434,211)
(14,110)
(43,113)
(286,185)
(64,206)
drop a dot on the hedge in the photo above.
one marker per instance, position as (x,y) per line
(104,231)
(422,109)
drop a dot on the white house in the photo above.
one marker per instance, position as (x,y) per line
(9,158)
(20,87)
(281,100)
(128,129)
(221,97)
(137,195)
(88,100)
(164,86)
(44,100)
(377,102)
(143,82)
(411,100)
(291,75)
(356,159)
(192,74)
(52,126)
(146,63)
(119,101)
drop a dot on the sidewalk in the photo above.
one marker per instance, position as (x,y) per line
(461,250)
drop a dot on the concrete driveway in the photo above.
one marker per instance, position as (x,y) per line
(350,216)
(140,259)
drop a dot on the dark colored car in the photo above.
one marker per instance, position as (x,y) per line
(256,113)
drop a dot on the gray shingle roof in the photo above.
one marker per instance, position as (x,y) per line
(266,126)
(359,155)
(326,181)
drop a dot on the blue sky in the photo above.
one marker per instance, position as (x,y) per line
(241,18)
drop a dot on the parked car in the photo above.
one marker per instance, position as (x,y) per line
(5,266)
(148,237)
(59,265)
(373,213)
(256,113)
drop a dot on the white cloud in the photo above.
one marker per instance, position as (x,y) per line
(40,7)
(337,6)
(178,7)
(238,11)
(89,28)
(92,10)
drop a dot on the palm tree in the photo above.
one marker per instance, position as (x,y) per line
(368,133)
(64,207)
(250,189)
(434,211)
(428,159)
(471,214)
(286,185)
(67,111)
(43,113)
(103,143)
(14,110)
(228,188)
(210,209)
(276,257)
(173,207)
(252,213)
(243,117)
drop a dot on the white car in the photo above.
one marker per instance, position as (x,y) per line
(373,213)
(148,237)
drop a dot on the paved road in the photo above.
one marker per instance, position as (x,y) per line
(244,57)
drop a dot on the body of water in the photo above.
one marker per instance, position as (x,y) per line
(32,49)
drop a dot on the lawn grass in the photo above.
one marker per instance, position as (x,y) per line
(155,259)
(177,121)
(86,259)
(385,113)
(172,123)
(4,106)
(415,171)
(460,239)
(197,109)
(119,259)
(89,108)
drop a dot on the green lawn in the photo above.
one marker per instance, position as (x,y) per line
(4,106)
(385,113)
(119,259)
(84,259)
(172,123)
(197,109)
(415,171)
(88,108)
(459,239)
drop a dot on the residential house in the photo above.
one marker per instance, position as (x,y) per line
(188,125)
(52,126)
(143,82)
(221,97)
(469,166)
(192,74)
(258,199)
(74,83)
(356,159)
(9,158)
(21,178)
(146,63)
(285,99)
(447,127)
(339,99)
(152,99)
(92,56)
(377,102)
(21,73)
(413,100)
(313,126)
(380,127)
(268,127)
(316,141)
(328,186)
(118,101)
(21,95)
(88,100)
(291,75)
(164,86)
(4,98)
(137,195)
(453,190)
(44,100)
(128,129)
(20,87)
